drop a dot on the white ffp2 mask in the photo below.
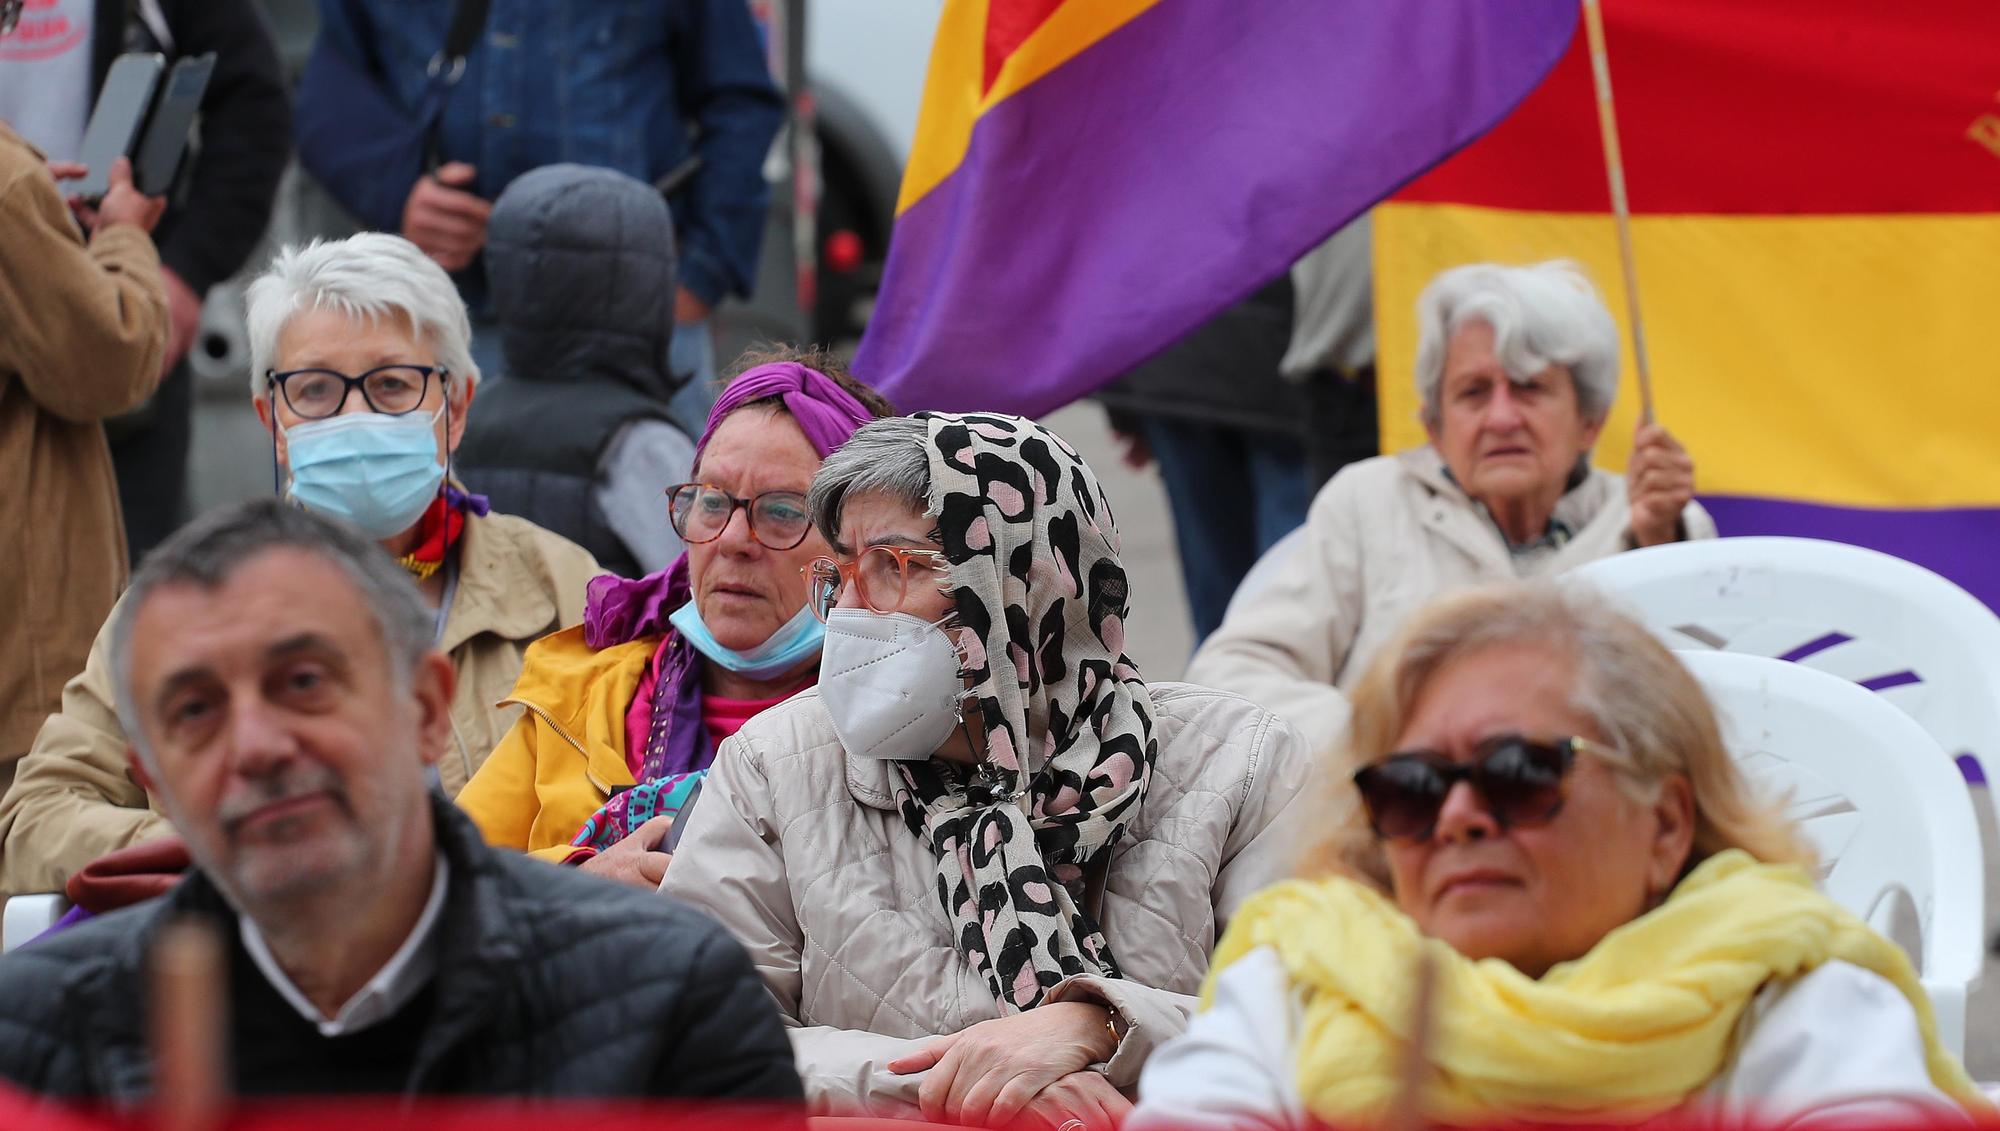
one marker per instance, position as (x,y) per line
(891,683)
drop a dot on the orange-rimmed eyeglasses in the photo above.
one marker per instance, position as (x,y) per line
(881,575)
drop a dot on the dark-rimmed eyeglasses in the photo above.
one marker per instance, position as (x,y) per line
(391,390)
(701,512)
(1521,781)
(882,576)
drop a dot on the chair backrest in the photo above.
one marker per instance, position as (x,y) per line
(1878,797)
(1892,626)
(27,916)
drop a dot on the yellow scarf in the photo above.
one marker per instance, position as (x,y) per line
(1632,1029)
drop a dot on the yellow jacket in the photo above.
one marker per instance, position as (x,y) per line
(566,752)
(75,798)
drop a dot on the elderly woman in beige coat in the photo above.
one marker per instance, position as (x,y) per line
(1517,368)
(362,373)
(981,867)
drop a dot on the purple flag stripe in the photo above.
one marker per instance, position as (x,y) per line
(1815,647)
(1893,679)
(1172,168)
(1971,770)
(1962,544)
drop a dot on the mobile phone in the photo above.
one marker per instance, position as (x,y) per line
(680,824)
(122,104)
(158,157)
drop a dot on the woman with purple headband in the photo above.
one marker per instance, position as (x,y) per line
(623,713)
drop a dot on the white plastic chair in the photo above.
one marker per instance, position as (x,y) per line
(26,916)
(1894,627)
(1879,799)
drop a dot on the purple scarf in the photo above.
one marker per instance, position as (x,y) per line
(618,610)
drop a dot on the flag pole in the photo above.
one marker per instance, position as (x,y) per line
(188,1004)
(1621,212)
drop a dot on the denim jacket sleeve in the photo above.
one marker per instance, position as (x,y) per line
(726,95)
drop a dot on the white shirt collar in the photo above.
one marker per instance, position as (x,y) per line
(399,980)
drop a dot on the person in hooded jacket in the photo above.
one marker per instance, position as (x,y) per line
(578,438)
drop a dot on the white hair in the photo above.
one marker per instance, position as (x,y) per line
(366,278)
(1541,315)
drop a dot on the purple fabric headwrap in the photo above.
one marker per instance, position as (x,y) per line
(617,609)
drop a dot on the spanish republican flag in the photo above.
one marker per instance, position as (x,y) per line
(1092,179)
(1815,187)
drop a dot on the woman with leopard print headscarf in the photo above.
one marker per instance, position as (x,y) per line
(983,865)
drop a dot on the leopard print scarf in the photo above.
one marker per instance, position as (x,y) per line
(1041,602)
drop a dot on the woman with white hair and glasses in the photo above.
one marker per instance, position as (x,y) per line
(1517,368)
(1536,801)
(982,864)
(362,374)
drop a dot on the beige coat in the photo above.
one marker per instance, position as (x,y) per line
(75,799)
(82,332)
(1385,537)
(800,851)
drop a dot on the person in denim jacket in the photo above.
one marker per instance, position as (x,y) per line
(646,87)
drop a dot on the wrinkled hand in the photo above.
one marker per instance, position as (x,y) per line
(183,319)
(636,860)
(1659,482)
(989,1073)
(1085,1096)
(123,203)
(445,221)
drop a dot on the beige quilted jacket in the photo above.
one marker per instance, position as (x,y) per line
(800,852)
(1387,536)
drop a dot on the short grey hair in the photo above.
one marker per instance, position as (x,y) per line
(367,277)
(1541,315)
(208,551)
(891,456)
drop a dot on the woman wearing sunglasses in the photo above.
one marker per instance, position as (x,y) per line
(1617,926)
(624,711)
(981,866)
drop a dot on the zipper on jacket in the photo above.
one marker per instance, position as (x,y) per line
(563,733)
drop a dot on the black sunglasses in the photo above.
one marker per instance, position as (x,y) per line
(1520,779)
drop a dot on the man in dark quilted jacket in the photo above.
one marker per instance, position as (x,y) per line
(276,673)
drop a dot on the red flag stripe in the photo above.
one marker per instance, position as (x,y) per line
(1009,23)
(1724,107)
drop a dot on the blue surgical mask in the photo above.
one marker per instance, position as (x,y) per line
(377,472)
(795,642)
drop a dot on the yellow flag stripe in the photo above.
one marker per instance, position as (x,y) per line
(1845,360)
(953,101)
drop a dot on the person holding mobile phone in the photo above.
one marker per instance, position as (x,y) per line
(677,95)
(83,325)
(53,78)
